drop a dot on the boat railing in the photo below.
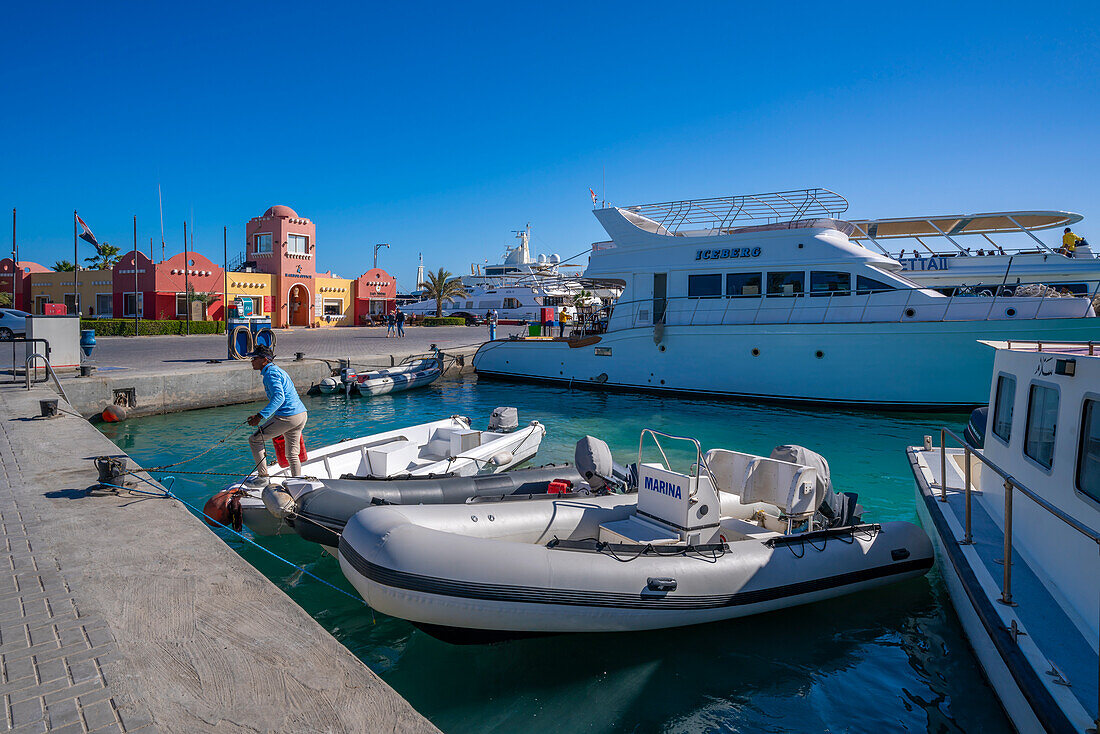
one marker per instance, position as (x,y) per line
(1011,487)
(723,211)
(874,306)
(700,460)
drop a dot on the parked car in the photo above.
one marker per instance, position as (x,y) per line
(13,323)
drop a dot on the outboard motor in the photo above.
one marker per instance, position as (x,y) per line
(595,463)
(975,427)
(504,420)
(839,508)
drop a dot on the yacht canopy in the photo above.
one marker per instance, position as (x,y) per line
(961,224)
(724,211)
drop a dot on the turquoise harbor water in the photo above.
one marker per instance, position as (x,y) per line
(883,661)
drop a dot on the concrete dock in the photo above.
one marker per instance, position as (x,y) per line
(126,613)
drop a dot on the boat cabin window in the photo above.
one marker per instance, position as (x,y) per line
(786,284)
(743,284)
(1042,419)
(511,303)
(705,286)
(870,285)
(1002,408)
(830,283)
(1088,457)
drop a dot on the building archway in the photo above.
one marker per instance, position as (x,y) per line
(298,304)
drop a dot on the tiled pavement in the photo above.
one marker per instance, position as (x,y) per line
(55,660)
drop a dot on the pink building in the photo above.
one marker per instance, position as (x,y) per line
(162,287)
(18,276)
(375,295)
(285,245)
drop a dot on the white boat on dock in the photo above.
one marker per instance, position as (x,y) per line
(1028,494)
(447,447)
(745,534)
(766,296)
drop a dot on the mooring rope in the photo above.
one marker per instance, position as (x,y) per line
(167,492)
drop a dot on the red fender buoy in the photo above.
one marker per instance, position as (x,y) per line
(113,414)
(225,508)
(280,450)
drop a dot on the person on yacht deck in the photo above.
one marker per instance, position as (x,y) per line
(1070,242)
(284,415)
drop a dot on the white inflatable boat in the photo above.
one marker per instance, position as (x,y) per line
(448,447)
(745,534)
(380,382)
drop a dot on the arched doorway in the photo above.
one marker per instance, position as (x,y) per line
(298,301)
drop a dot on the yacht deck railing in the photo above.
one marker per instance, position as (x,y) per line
(1011,486)
(723,211)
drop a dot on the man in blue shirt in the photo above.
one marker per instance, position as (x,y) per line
(284,415)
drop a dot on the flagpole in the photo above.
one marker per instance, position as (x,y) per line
(76,270)
(186,281)
(225,276)
(136,332)
(15,272)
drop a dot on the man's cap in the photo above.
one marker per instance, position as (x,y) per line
(264,351)
(1066,229)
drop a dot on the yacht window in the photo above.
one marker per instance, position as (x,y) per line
(1002,409)
(1042,419)
(511,303)
(830,283)
(870,285)
(705,286)
(786,284)
(743,284)
(1088,458)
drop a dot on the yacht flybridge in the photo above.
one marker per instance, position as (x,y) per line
(957,253)
(768,296)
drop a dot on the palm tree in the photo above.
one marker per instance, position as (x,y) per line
(63,266)
(442,286)
(104,259)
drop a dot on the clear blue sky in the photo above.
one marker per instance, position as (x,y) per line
(440,129)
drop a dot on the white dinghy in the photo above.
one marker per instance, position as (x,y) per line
(403,377)
(745,534)
(447,447)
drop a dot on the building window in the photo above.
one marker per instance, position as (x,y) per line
(40,304)
(705,286)
(334,307)
(71,304)
(104,305)
(1088,458)
(297,244)
(263,243)
(866,285)
(128,304)
(181,304)
(743,284)
(830,283)
(786,284)
(1042,420)
(1002,408)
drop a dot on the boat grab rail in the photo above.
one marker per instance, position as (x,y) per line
(689,312)
(49,370)
(700,459)
(1011,485)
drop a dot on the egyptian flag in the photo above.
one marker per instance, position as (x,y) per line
(87,235)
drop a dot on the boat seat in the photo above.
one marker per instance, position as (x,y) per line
(790,487)
(636,530)
(387,459)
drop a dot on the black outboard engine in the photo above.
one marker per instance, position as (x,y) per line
(975,427)
(594,462)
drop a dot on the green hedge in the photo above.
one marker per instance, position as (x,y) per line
(125,327)
(445,321)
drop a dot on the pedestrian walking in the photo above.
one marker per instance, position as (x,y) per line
(391,322)
(400,319)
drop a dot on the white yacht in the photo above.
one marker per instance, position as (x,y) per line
(957,253)
(1029,491)
(519,287)
(766,296)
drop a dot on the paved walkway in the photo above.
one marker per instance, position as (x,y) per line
(125,613)
(364,344)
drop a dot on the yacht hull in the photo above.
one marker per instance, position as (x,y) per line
(915,365)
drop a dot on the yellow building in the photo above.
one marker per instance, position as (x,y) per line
(96,293)
(335,301)
(259,287)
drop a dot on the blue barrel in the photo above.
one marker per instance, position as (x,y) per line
(240,342)
(87,341)
(265,338)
